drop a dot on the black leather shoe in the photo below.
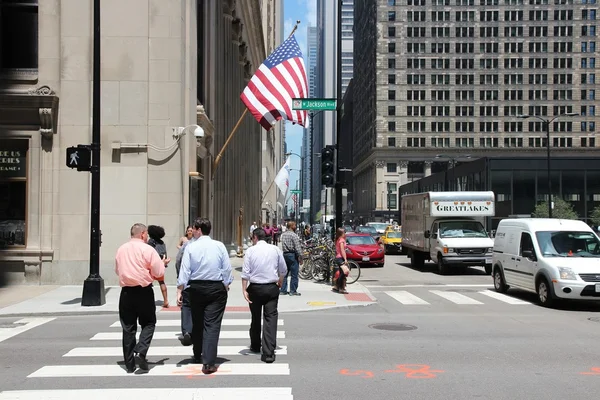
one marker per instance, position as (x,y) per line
(257,350)
(186,339)
(209,369)
(130,369)
(268,359)
(142,362)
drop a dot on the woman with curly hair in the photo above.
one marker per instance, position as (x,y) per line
(156,233)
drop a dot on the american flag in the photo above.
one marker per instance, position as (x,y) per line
(278,80)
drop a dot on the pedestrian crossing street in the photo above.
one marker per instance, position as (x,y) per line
(470,298)
(102,358)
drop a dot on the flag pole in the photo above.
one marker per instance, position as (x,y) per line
(265,195)
(235,128)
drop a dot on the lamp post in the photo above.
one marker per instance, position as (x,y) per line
(298,198)
(547,126)
(301,175)
(452,159)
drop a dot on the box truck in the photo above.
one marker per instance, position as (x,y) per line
(448,229)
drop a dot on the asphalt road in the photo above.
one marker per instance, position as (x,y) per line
(448,348)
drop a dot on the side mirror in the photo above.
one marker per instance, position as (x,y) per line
(427,234)
(434,236)
(529,254)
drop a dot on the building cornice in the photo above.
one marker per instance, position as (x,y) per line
(20,106)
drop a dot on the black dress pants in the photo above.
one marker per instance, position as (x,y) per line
(186,312)
(264,297)
(136,303)
(208,300)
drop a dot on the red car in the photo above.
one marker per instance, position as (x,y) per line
(363,249)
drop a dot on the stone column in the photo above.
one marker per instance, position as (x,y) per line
(379,187)
(427,168)
(402,173)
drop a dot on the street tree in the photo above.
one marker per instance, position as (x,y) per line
(595,216)
(562,209)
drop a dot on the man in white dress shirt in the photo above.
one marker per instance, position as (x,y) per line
(264,269)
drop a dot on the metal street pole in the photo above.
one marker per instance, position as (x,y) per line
(338,185)
(548,168)
(93,286)
(311,167)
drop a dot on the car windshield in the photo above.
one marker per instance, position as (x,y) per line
(358,240)
(394,234)
(366,229)
(379,226)
(462,229)
(568,244)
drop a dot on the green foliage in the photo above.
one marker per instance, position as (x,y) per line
(562,209)
(595,216)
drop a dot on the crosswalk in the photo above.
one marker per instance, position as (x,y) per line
(99,360)
(429,297)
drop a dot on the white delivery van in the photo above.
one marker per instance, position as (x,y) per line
(448,229)
(556,258)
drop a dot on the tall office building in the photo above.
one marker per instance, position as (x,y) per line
(443,82)
(347,43)
(311,66)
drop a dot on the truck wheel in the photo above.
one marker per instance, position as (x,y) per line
(499,283)
(544,291)
(442,268)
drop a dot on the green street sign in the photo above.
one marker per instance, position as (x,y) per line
(296,191)
(314,104)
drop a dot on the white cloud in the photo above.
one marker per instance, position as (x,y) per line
(311,12)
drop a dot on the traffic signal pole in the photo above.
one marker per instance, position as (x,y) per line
(338,185)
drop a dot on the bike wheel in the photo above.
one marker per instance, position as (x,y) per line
(306,270)
(354,273)
(320,270)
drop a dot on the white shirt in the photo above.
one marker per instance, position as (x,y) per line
(263,263)
(206,260)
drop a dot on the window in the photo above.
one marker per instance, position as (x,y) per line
(391,15)
(391,47)
(392,79)
(391,142)
(588,142)
(391,63)
(13,192)
(391,126)
(391,110)
(391,95)
(391,31)
(19,35)
(391,167)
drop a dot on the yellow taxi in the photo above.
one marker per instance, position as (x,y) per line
(392,240)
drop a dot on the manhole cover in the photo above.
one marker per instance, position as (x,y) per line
(594,319)
(393,327)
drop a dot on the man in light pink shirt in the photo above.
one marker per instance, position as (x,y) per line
(137,264)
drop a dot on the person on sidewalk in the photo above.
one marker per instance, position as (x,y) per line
(292,253)
(137,265)
(156,233)
(184,303)
(341,259)
(206,268)
(262,275)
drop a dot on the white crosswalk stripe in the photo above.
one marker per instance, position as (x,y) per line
(426,298)
(101,356)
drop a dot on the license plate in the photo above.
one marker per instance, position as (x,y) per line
(367,259)
(597,287)
(488,260)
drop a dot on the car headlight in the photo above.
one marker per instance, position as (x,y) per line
(567,273)
(448,250)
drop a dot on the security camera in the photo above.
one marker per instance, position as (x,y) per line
(199,132)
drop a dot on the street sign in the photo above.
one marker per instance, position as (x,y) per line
(296,191)
(79,157)
(314,104)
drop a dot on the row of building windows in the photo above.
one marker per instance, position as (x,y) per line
(492,79)
(469,142)
(492,126)
(493,63)
(487,48)
(494,15)
(490,111)
(493,95)
(485,2)
(492,31)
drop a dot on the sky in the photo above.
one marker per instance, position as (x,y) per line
(306,12)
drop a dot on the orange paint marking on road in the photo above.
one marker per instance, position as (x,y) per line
(416,371)
(592,371)
(360,372)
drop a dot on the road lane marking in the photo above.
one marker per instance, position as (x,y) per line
(405,297)
(233,393)
(21,326)
(81,371)
(503,297)
(456,298)
(433,285)
(161,351)
(225,322)
(175,335)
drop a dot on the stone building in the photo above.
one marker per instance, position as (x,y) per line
(442,83)
(166,65)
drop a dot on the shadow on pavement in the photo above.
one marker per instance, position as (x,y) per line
(560,304)
(431,268)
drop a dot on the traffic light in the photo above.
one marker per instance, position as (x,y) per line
(328,166)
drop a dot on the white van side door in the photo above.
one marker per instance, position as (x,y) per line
(527,267)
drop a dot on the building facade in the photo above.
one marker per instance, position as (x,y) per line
(166,66)
(347,41)
(443,83)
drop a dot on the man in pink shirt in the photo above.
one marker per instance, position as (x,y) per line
(137,264)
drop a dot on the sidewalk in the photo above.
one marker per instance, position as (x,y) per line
(66,300)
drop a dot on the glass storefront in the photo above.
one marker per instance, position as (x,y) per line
(520,184)
(13,192)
